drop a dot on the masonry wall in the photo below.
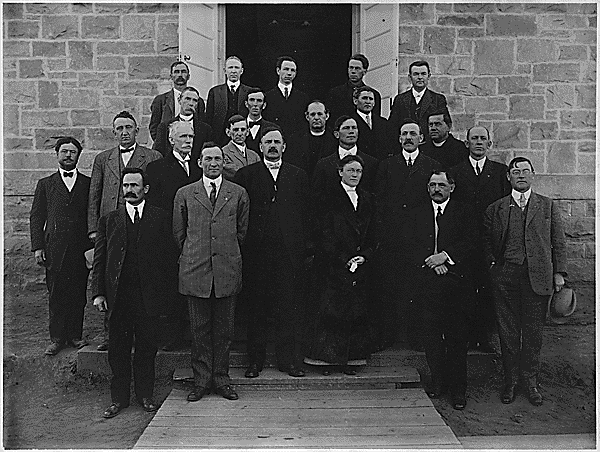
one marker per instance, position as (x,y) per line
(527,71)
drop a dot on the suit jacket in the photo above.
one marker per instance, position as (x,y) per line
(544,239)
(106,191)
(293,204)
(253,143)
(304,151)
(374,141)
(165,177)
(449,154)
(210,239)
(287,114)
(58,219)
(480,191)
(202,133)
(156,258)
(340,101)
(233,159)
(216,107)
(163,110)
(431,102)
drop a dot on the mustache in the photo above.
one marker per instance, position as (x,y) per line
(130,194)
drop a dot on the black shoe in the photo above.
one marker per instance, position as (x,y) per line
(114,409)
(253,371)
(508,394)
(78,343)
(103,346)
(435,391)
(292,371)
(196,394)
(535,398)
(53,348)
(227,392)
(148,404)
(349,370)
(459,402)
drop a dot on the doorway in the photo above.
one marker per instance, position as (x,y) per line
(317,36)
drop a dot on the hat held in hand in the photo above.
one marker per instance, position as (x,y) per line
(562,305)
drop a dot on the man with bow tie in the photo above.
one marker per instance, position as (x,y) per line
(275,253)
(255,103)
(58,223)
(226,99)
(105,187)
(236,154)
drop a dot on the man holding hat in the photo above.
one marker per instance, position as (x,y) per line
(524,247)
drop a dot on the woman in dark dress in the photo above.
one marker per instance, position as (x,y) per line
(342,334)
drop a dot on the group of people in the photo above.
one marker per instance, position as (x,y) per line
(351,238)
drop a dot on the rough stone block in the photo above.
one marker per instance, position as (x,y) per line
(56,64)
(60,27)
(79,98)
(510,25)
(45,118)
(416,13)
(547,130)
(586,96)
(561,158)
(558,35)
(588,72)
(572,52)
(455,65)
(147,67)
(526,107)
(463,121)
(16,48)
(492,116)
(581,8)
(139,27)
(592,21)
(438,41)
(46,138)
(475,86)
(560,96)
(11,119)
(48,95)
(82,8)
(19,92)
(578,119)
(22,29)
(585,36)
(167,40)
(569,135)
(562,21)
(511,134)
(82,55)
(509,7)
(85,117)
(114,8)
(490,104)
(470,32)
(47,8)
(63,75)
(577,227)
(49,49)
(438,84)
(586,163)
(105,27)
(556,72)
(443,7)
(474,8)
(586,146)
(541,8)
(461,20)
(523,68)
(97,80)
(17,144)
(409,40)
(110,63)
(31,69)
(125,48)
(575,250)
(590,250)
(161,8)
(101,138)
(12,11)
(570,186)
(536,50)
(464,47)
(514,84)
(494,57)
(578,208)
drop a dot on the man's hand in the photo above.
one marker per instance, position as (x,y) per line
(92,236)
(100,303)
(40,257)
(358,260)
(559,282)
(436,259)
(440,270)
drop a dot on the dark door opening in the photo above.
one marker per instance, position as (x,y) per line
(317,36)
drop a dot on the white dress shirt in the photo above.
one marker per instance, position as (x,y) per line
(517,195)
(344,152)
(351,192)
(282,88)
(206,181)
(413,155)
(255,127)
(273,167)
(234,85)
(126,156)
(418,95)
(475,163)
(366,118)
(240,148)
(131,209)
(69,181)
(177,95)
(183,161)
(435,212)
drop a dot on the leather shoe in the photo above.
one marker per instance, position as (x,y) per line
(53,348)
(148,404)
(253,371)
(114,409)
(196,394)
(102,346)
(293,371)
(78,343)
(535,398)
(459,402)
(227,392)
(508,394)
(349,370)
(435,391)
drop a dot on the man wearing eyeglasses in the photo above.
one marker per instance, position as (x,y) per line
(524,245)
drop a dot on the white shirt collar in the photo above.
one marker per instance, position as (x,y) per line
(517,194)
(131,211)
(417,95)
(206,181)
(477,162)
(344,152)
(242,149)
(178,156)
(253,120)
(347,187)
(319,134)
(364,116)
(188,118)
(62,172)
(236,85)
(442,205)
(134,147)
(413,155)
(282,87)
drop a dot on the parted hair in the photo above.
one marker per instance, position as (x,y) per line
(265,130)
(68,140)
(134,170)
(349,159)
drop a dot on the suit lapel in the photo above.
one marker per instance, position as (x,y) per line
(202,197)
(503,213)
(171,101)
(114,162)
(121,220)
(486,173)
(425,102)
(223,197)
(532,208)
(138,158)
(242,92)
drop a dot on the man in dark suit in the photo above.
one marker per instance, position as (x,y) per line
(210,220)
(340,99)
(226,100)
(58,225)
(441,145)
(106,194)
(305,148)
(398,188)
(133,278)
(440,242)
(235,153)
(275,252)
(188,100)
(255,103)
(525,251)
(164,107)
(373,131)
(285,104)
(479,182)
(419,101)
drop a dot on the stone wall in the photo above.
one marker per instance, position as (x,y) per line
(527,71)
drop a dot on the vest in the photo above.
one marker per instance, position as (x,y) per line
(232,102)
(515,251)
(129,281)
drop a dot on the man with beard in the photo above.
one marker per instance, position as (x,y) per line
(255,103)
(236,154)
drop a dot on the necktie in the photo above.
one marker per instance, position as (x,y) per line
(439,215)
(68,174)
(252,124)
(286,93)
(275,165)
(213,193)
(409,162)
(136,216)
(127,149)
(369,122)
(522,201)
(477,169)
(232,89)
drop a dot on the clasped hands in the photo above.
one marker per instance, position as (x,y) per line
(355,262)
(437,262)
(100,303)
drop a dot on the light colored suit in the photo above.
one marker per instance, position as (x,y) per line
(233,160)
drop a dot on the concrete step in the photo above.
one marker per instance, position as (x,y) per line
(393,377)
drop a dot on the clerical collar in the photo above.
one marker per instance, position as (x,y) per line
(129,149)
(282,88)
(477,162)
(186,117)
(234,85)
(416,94)
(413,155)
(317,134)
(348,187)
(442,205)
(241,148)
(517,194)
(439,145)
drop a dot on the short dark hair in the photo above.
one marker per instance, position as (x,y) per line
(341,120)
(362,89)
(349,159)
(419,63)
(68,140)
(255,90)
(486,129)
(189,88)
(264,131)
(134,170)
(513,163)
(316,101)
(409,121)
(360,57)
(441,170)
(177,63)
(210,144)
(281,59)
(445,114)
(235,118)
(125,114)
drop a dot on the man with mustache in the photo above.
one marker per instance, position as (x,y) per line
(58,223)
(105,187)
(134,279)
(165,106)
